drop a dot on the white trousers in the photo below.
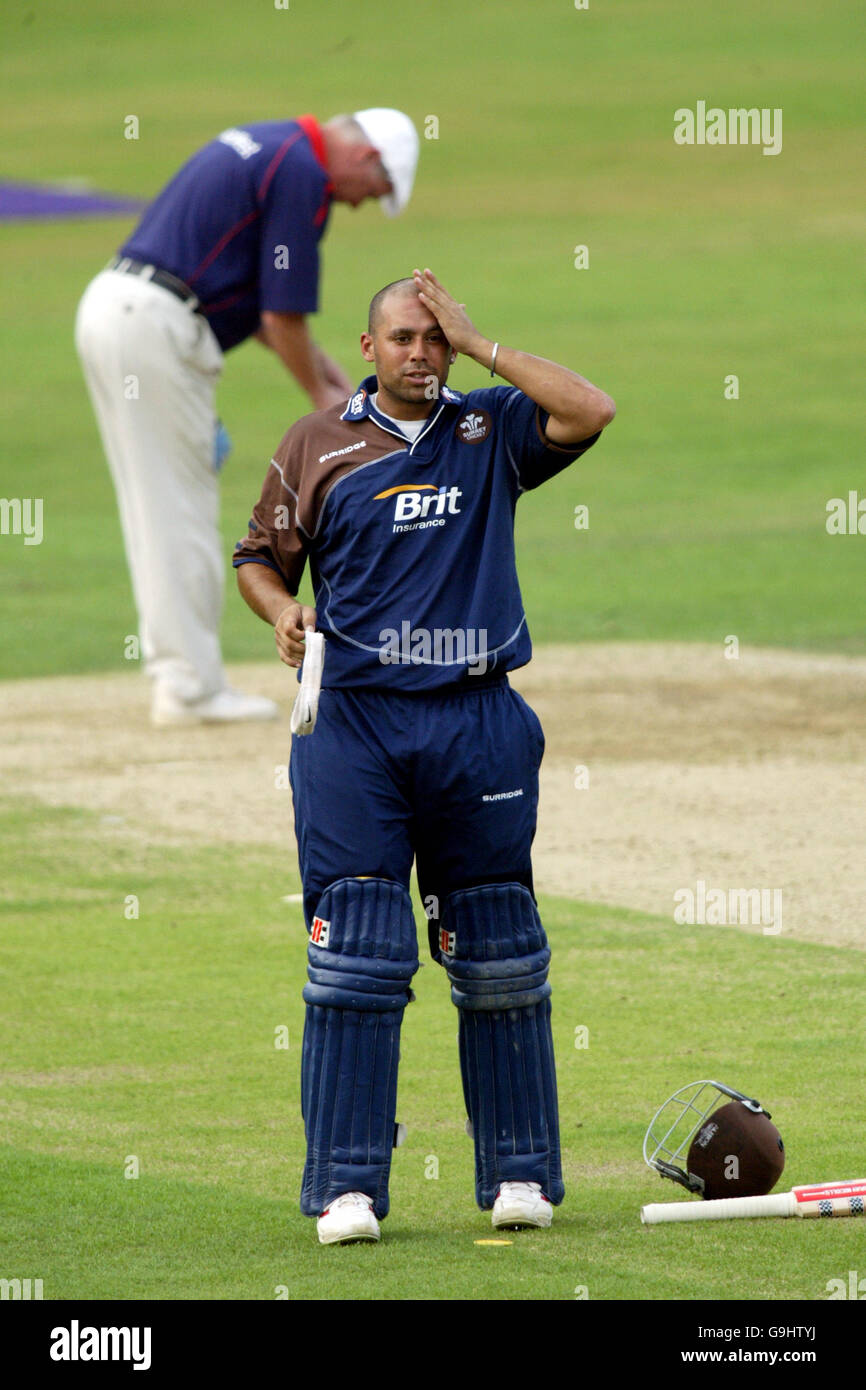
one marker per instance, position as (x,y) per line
(152,366)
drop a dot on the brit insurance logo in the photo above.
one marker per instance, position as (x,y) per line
(419,506)
(474,426)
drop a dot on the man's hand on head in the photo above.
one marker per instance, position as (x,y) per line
(576,409)
(451,316)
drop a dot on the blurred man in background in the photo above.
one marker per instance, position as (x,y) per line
(227,251)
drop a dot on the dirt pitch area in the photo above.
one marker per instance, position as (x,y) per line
(746,773)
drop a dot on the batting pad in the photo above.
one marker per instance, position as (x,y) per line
(496,955)
(362,955)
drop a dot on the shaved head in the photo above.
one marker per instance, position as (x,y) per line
(397,287)
(410,352)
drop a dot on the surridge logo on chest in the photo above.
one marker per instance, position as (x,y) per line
(420,505)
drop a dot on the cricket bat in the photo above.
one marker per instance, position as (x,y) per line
(817,1199)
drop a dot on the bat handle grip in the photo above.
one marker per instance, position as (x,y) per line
(723,1209)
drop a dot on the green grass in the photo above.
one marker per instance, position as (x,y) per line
(555,129)
(154,1038)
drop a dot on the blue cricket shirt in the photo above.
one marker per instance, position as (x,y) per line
(410,545)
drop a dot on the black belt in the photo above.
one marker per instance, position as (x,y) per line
(157,277)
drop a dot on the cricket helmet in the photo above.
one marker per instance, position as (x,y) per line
(715,1141)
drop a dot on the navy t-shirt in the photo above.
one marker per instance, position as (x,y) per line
(240,224)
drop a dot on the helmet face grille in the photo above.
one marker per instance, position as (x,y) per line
(674,1125)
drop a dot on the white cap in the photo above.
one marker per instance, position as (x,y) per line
(396,139)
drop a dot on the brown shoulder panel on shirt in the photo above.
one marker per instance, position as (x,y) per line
(578,448)
(321,448)
(316,452)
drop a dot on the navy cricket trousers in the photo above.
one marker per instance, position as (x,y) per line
(448,778)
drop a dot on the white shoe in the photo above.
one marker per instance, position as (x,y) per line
(521,1204)
(225,707)
(349,1217)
